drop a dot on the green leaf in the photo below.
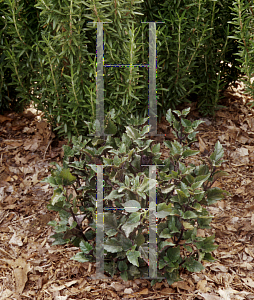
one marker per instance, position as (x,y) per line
(109,268)
(126,243)
(214,194)
(59,240)
(132,133)
(52,223)
(144,251)
(122,266)
(173,254)
(165,234)
(197,185)
(96,141)
(57,196)
(182,167)
(127,181)
(111,232)
(176,125)
(122,149)
(113,245)
(145,130)
(167,189)
(110,221)
(67,177)
(116,161)
(101,149)
(80,257)
(192,265)
(114,195)
(192,136)
(199,195)
(133,256)
(147,184)
(132,206)
(174,225)
(122,188)
(201,170)
(110,127)
(131,223)
(188,130)
(107,161)
(177,112)
(162,264)
(197,207)
(169,116)
(164,244)
(189,178)
(189,215)
(177,149)
(187,225)
(202,178)
(209,257)
(183,198)
(189,152)
(172,277)
(186,123)
(217,154)
(51,180)
(124,275)
(85,247)
(207,245)
(163,210)
(156,148)
(186,111)
(168,144)
(184,189)
(204,221)
(136,161)
(188,248)
(133,271)
(219,174)
(196,123)
(140,239)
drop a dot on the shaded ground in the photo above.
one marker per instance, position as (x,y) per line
(30,268)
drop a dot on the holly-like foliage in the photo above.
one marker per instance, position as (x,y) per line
(183,192)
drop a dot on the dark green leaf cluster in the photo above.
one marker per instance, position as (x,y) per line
(243,35)
(66,83)
(196,57)
(183,192)
(48,55)
(18,28)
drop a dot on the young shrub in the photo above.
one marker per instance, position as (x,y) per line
(183,192)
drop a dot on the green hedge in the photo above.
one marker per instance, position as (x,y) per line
(242,20)
(19,28)
(48,55)
(194,51)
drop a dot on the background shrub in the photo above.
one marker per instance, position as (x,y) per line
(48,55)
(243,35)
(19,29)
